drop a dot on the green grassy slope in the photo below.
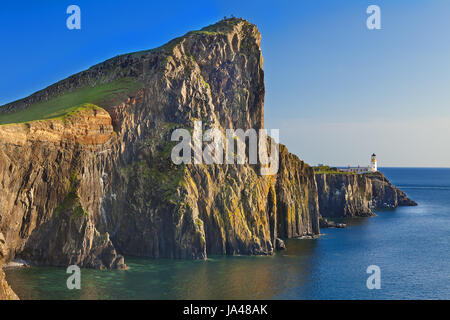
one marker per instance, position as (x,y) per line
(329,170)
(57,107)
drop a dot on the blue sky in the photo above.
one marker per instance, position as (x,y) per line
(337,91)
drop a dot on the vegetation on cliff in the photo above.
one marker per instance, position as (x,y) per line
(330,170)
(69,101)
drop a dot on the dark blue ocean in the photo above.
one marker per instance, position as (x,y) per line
(411,245)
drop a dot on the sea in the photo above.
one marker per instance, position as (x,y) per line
(409,247)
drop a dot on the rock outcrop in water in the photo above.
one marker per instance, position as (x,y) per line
(98,183)
(386,195)
(357,195)
(6,293)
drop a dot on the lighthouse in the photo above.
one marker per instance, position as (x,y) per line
(373,163)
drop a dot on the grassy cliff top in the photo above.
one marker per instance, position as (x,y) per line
(67,102)
(330,170)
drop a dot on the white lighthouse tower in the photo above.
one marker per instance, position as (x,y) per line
(373,163)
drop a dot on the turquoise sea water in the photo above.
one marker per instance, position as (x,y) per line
(411,245)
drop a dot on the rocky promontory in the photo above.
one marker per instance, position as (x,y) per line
(385,194)
(343,194)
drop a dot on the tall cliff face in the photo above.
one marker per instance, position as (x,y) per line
(353,195)
(85,188)
(344,195)
(50,188)
(297,197)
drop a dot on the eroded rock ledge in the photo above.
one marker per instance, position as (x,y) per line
(6,293)
(353,195)
(50,188)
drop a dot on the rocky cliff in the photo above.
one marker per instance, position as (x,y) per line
(6,293)
(344,195)
(386,195)
(88,186)
(351,195)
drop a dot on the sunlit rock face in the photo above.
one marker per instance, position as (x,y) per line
(99,183)
(344,195)
(357,195)
(386,195)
